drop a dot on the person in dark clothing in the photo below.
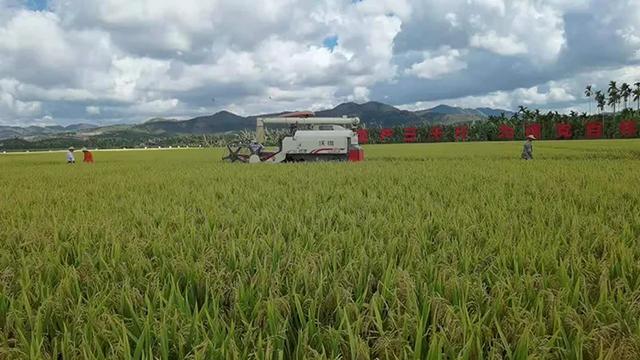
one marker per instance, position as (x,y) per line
(256,147)
(527,150)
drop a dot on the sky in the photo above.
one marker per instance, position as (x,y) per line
(118,61)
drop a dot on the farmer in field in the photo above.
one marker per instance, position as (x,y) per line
(70,158)
(88,156)
(527,150)
(256,147)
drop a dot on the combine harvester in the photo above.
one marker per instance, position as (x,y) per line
(310,139)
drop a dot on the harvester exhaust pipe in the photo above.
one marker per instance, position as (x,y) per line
(260,137)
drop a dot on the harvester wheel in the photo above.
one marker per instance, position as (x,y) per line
(234,154)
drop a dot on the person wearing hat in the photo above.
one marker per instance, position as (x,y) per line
(527,150)
(88,156)
(70,158)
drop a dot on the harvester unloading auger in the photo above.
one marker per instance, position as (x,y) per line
(310,139)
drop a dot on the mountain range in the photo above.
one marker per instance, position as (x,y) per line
(370,113)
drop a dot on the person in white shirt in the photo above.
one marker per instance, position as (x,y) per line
(70,158)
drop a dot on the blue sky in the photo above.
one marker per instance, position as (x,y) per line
(36,4)
(107,61)
(330,42)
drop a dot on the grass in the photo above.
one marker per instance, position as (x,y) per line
(425,251)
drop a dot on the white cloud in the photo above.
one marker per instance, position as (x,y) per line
(11,107)
(131,59)
(36,37)
(142,55)
(630,34)
(360,93)
(525,27)
(560,95)
(452,18)
(93,110)
(503,45)
(492,5)
(160,106)
(401,8)
(508,100)
(434,66)
(46,120)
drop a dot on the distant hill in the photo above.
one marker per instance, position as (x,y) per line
(448,110)
(8,132)
(222,121)
(158,119)
(445,114)
(79,127)
(374,114)
(371,114)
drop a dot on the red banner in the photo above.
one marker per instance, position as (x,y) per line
(461,133)
(628,128)
(363,136)
(593,130)
(563,131)
(436,133)
(506,132)
(534,129)
(410,135)
(386,133)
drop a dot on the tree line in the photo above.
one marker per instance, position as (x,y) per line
(489,129)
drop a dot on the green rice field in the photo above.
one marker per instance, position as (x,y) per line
(423,251)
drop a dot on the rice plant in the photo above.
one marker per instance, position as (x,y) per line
(425,251)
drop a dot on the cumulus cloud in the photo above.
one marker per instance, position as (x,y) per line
(434,66)
(505,99)
(558,95)
(360,93)
(502,45)
(520,27)
(12,107)
(20,108)
(129,60)
(155,107)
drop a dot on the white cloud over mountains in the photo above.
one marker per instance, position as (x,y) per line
(434,66)
(117,60)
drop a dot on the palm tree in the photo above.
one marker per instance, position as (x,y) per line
(588,92)
(601,100)
(636,94)
(614,97)
(525,114)
(625,92)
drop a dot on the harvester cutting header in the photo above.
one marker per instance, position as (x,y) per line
(309,139)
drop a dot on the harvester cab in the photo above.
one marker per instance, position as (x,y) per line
(309,139)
